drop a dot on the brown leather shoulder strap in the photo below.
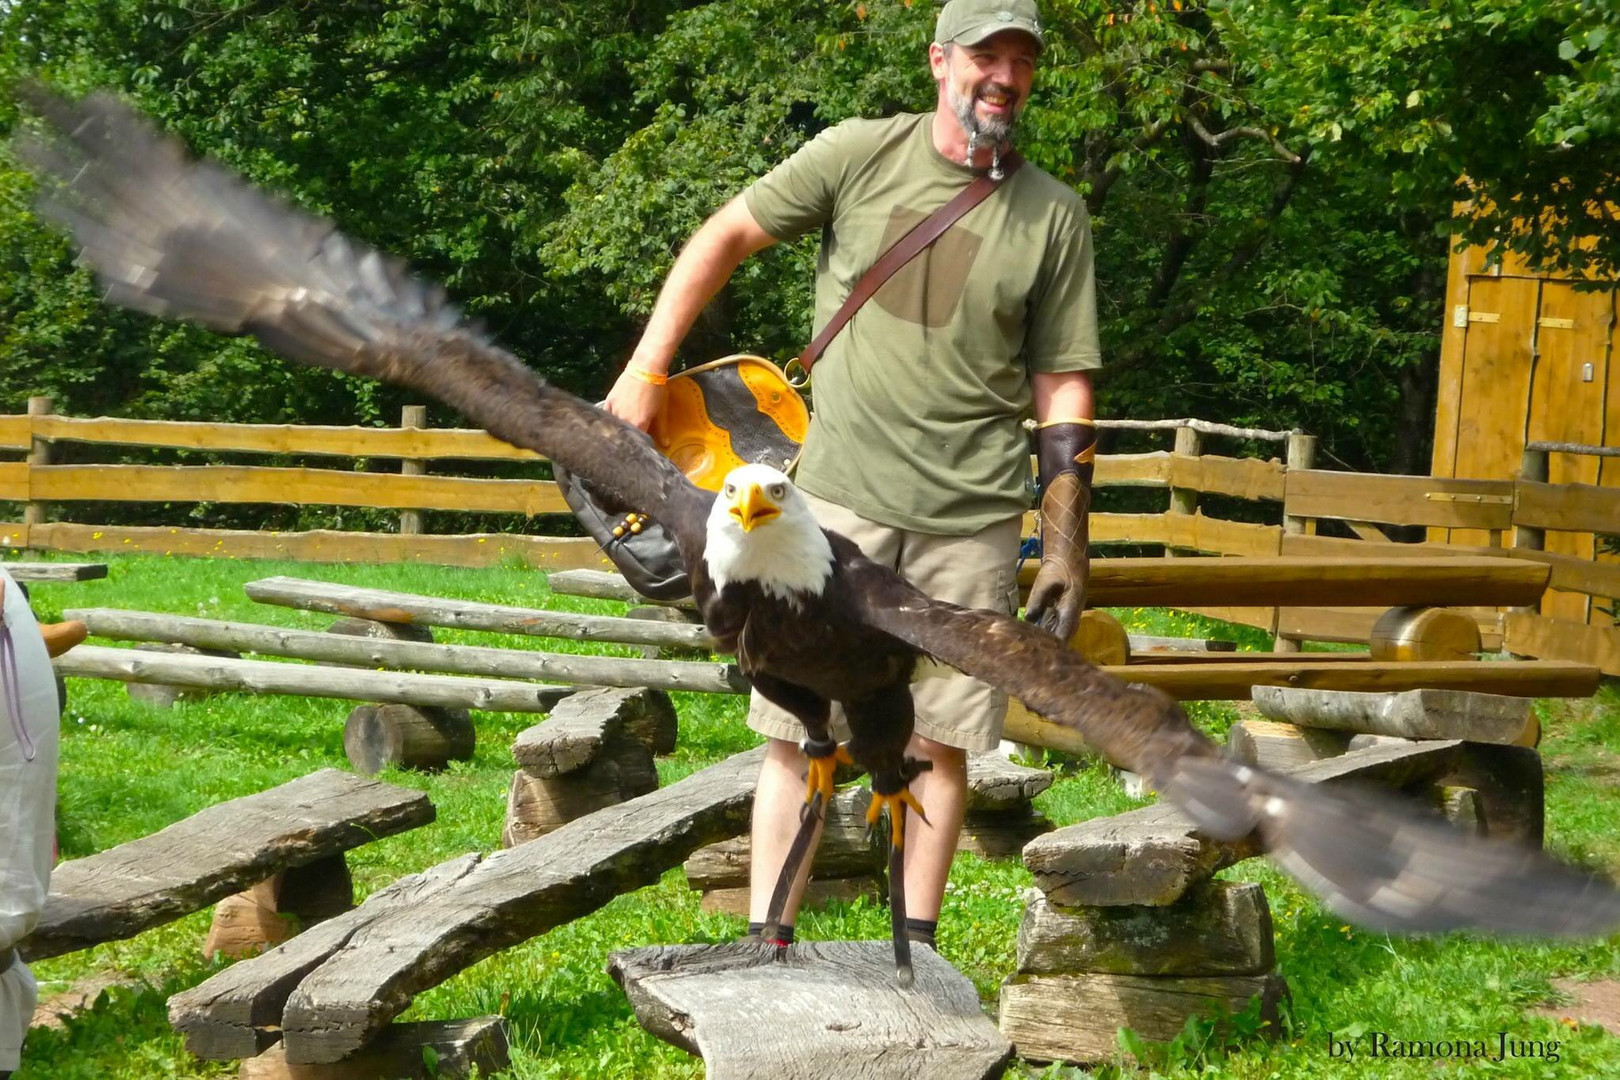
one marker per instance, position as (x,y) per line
(905,249)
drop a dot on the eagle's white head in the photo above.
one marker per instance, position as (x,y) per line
(761,529)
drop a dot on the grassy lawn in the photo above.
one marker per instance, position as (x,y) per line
(129,769)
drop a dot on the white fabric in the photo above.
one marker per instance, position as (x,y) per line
(27,813)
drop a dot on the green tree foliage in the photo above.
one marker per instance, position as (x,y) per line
(1271,181)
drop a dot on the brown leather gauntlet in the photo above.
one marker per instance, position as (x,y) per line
(1057,598)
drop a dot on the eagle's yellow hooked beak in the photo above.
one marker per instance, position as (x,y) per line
(753,507)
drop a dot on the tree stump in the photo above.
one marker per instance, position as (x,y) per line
(275,909)
(410,736)
(1425,633)
(401,1052)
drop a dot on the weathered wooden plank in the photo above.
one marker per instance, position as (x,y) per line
(1218,928)
(14,481)
(1233,681)
(222,850)
(581,725)
(58,572)
(269,677)
(318,545)
(1569,507)
(1415,714)
(1400,500)
(708,677)
(386,606)
(1339,546)
(1153,855)
(998,785)
(1281,746)
(1077,1017)
(408,443)
(1245,656)
(1576,574)
(436,1049)
(16,432)
(1133,470)
(332,989)
(1149,643)
(843,852)
(1534,635)
(1241,478)
(831,1009)
(309,487)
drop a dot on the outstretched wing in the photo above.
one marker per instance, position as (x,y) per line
(180,238)
(1370,859)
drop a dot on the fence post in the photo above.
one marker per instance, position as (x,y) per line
(1301,455)
(39,454)
(1189,443)
(411,416)
(1533,469)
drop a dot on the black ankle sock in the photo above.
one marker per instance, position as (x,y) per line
(922,930)
(784,933)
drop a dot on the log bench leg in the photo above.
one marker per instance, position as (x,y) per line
(401,1052)
(410,736)
(1425,633)
(275,909)
(536,805)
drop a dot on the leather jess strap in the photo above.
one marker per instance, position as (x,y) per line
(924,233)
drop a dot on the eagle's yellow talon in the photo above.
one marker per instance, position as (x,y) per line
(894,803)
(819,777)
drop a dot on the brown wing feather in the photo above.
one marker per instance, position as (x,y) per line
(180,238)
(1368,857)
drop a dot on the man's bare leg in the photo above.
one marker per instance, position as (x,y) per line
(778,802)
(930,847)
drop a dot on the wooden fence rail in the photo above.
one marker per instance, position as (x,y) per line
(1554,524)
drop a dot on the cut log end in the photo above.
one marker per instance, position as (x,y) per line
(1101,639)
(409,736)
(1425,633)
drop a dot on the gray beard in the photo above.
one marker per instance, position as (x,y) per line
(995,131)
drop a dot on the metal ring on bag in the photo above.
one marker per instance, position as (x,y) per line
(797,380)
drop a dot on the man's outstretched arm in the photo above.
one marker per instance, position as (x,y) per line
(715,251)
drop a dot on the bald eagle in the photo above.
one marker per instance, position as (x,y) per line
(809,618)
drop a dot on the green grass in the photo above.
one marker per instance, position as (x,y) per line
(129,769)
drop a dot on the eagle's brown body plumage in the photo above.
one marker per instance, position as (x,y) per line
(180,238)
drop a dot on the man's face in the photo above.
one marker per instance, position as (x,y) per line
(986,85)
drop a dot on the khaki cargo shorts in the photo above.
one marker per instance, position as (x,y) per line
(977,571)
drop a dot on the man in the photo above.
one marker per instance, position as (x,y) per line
(915,449)
(28,740)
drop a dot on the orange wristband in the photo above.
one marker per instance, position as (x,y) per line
(648,377)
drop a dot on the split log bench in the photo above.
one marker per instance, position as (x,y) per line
(458,1048)
(595,750)
(998,822)
(301,828)
(1128,930)
(814,1010)
(332,990)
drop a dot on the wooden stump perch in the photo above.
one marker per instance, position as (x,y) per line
(820,1009)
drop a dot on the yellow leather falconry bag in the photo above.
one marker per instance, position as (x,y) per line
(739,410)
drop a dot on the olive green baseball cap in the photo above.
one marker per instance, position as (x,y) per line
(968,22)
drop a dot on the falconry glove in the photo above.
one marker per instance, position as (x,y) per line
(1065,449)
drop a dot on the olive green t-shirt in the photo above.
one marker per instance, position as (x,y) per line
(918,400)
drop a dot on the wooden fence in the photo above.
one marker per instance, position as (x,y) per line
(1511,517)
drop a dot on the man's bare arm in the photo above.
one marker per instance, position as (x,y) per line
(715,251)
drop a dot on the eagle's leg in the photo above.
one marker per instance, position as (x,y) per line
(891,791)
(824,756)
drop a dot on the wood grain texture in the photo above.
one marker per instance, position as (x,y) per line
(706,676)
(829,1008)
(387,606)
(332,441)
(581,725)
(269,677)
(306,487)
(1569,507)
(1400,500)
(317,545)
(1424,713)
(216,852)
(1217,928)
(1535,635)
(458,1046)
(334,988)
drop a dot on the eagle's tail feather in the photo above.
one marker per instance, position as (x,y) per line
(1386,864)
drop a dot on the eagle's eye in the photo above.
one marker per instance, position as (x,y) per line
(778,490)
(730,491)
